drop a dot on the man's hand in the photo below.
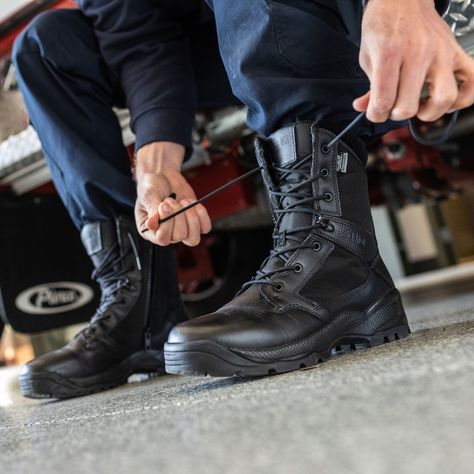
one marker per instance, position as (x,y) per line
(158,175)
(405,44)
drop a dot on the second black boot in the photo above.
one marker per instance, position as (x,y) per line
(323,290)
(140,304)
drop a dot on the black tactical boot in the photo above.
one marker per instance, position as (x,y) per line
(324,288)
(140,303)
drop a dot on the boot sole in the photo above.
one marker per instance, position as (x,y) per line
(210,358)
(386,322)
(43,384)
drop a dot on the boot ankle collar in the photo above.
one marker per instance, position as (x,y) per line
(296,141)
(290,143)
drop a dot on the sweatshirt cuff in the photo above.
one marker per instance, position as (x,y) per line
(164,124)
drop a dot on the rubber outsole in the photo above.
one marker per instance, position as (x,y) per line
(209,358)
(40,384)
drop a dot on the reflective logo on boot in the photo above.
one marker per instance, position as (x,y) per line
(53,298)
(354,236)
(342,159)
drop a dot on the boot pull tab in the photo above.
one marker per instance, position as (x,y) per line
(263,167)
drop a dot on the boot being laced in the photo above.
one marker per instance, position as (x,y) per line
(322,289)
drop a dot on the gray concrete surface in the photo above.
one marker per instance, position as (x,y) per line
(405,407)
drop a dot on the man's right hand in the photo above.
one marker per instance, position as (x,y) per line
(158,175)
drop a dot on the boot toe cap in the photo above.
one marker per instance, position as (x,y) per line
(239,329)
(202,328)
(56,362)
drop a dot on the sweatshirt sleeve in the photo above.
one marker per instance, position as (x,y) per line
(146,49)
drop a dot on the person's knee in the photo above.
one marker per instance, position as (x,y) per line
(37,35)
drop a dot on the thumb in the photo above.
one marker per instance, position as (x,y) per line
(153,221)
(362,103)
(150,201)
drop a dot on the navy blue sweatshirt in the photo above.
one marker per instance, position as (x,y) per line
(164,55)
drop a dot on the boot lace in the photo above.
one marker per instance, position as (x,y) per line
(263,277)
(302,201)
(111,281)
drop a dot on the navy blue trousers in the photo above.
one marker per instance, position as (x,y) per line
(287,60)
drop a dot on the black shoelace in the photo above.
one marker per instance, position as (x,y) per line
(111,282)
(293,200)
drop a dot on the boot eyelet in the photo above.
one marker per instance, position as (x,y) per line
(324,173)
(325,149)
(327,197)
(317,246)
(298,268)
(278,286)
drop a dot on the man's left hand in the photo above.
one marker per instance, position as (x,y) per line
(405,45)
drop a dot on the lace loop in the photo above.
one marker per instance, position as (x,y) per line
(296,198)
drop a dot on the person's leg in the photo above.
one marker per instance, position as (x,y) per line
(324,288)
(293,60)
(69,96)
(212,84)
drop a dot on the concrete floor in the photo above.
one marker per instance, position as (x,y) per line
(406,407)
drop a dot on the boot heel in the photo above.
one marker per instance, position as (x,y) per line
(151,361)
(386,314)
(386,321)
(389,335)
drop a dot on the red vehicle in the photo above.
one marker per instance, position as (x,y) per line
(209,274)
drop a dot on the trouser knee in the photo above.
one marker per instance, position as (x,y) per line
(50,35)
(36,33)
